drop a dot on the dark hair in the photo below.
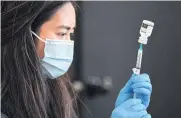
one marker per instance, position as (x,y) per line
(25,93)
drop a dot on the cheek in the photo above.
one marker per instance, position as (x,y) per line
(40,48)
(44,33)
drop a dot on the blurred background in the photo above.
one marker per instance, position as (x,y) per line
(106,44)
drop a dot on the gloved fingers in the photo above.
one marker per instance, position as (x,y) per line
(142,91)
(146,116)
(139,114)
(122,98)
(132,102)
(145,99)
(138,107)
(123,111)
(146,85)
(125,93)
(127,87)
(141,78)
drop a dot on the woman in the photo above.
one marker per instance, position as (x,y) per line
(36,53)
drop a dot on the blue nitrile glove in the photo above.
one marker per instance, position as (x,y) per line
(140,84)
(132,108)
(142,87)
(146,116)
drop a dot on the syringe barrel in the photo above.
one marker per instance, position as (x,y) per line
(139,58)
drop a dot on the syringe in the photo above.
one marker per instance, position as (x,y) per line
(145,31)
(139,60)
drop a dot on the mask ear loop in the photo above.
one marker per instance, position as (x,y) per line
(38,36)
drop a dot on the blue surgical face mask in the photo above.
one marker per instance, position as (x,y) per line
(58,56)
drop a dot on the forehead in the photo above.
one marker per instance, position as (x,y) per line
(65,15)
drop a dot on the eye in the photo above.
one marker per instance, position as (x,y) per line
(61,34)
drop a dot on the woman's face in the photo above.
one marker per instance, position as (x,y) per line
(60,26)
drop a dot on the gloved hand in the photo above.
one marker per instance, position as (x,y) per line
(138,84)
(147,116)
(132,108)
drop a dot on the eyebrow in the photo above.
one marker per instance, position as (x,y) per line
(66,27)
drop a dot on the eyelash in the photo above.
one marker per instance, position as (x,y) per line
(61,34)
(64,34)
